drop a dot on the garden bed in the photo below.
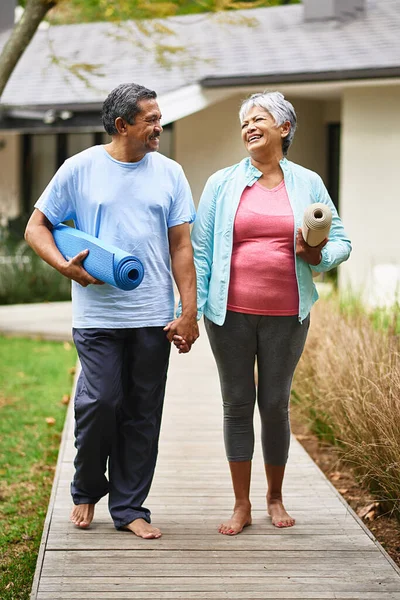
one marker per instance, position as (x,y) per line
(346,409)
(381,522)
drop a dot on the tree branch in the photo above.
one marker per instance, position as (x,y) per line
(22,34)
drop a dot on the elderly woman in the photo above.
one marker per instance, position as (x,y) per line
(255,289)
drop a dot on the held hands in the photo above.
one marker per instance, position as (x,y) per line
(183,332)
(310,254)
(73,269)
(180,344)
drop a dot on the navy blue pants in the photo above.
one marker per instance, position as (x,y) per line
(118,407)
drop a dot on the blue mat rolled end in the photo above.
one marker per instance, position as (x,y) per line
(104,262)
(128,272)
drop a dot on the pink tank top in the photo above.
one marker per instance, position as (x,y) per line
(263,278)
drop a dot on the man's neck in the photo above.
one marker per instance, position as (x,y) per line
(119,151)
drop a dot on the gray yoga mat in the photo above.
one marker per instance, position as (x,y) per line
(317,222)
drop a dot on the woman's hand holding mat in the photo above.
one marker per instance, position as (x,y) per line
(314,234)
(317,222)
(104,262)
(310,254)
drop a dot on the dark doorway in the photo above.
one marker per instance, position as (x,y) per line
(333,154)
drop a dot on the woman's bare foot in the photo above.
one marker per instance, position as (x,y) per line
(279,516)
(143,529)
(82,515)
(241,518)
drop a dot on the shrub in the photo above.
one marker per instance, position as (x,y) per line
(24,277)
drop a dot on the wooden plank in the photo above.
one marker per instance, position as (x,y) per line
(210,528)
(220,595)
(363,583)
(205,522)
(198,595)
(127,541)
(250,571)
(216,557)
(224,491)
(188,504)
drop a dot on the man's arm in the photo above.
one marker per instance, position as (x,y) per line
(185,277)
(39,237)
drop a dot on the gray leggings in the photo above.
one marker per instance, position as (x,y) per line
(277,342)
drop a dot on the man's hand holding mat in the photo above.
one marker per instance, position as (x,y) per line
(102,261)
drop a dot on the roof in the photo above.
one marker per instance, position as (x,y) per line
(279,46)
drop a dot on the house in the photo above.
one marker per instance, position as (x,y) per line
(337,61)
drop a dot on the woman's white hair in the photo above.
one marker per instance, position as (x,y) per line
(280,109)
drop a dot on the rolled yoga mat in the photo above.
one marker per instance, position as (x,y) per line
(105,262)
(317,222)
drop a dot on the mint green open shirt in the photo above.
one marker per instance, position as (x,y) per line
(212,234)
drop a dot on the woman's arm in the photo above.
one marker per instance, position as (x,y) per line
(203,242)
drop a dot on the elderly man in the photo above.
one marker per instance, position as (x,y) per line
(128,195)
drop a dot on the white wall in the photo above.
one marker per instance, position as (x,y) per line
(207,141)
(332,111)
(309,144)
(9,175)
(370,188)
(210,139)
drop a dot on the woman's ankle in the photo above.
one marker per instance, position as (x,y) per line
(274,497)
(242,505)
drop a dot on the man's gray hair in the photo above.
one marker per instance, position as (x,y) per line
(123,102)
(279,108)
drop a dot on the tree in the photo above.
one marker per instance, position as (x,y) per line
(78,11)
(23,32)
(72,11)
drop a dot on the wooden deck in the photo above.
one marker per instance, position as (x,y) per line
(328,554)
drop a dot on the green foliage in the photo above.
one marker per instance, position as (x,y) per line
(384,318)
(31,281)
(34,376)
(78,11)
(322,426)
(24,277)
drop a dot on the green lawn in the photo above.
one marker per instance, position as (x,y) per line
(35,379)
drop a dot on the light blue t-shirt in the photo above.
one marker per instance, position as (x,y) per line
(131,206)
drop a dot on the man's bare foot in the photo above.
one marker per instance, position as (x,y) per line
(143,529)
(241,518)
(279,516)
(82,515)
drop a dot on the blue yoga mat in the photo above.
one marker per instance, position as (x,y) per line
(105,262)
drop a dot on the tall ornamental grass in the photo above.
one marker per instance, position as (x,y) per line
(347,386)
